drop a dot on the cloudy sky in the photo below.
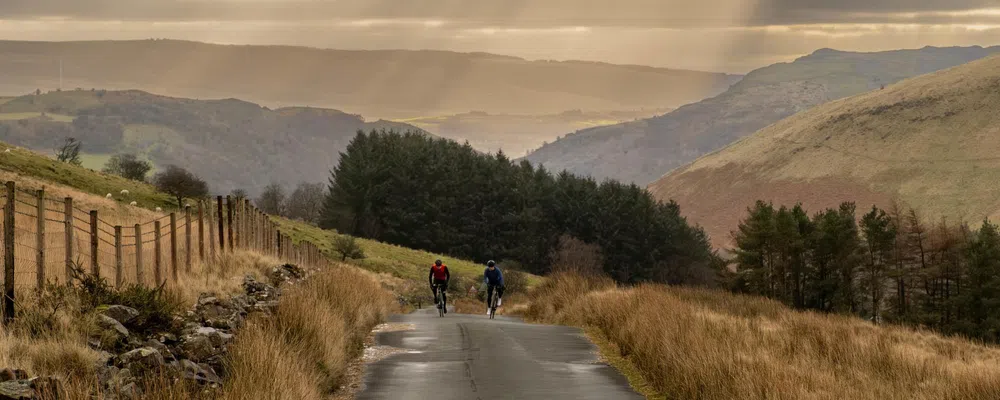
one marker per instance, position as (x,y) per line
(718,35)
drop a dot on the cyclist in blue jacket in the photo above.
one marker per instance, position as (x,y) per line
(493,279)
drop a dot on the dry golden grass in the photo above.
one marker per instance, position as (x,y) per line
(699,344)
(303,352)
(61,349)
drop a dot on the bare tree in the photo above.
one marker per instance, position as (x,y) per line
(272,200)
(306,202)
(239,194)
(574,255)
(69,152)
(181,184)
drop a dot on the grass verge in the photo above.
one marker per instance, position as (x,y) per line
(701,344)
(319,327)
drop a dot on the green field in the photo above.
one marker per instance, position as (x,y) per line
(94,161)
(398,261)
(35,165)
(16,116)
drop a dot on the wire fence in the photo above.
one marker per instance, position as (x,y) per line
(48,241)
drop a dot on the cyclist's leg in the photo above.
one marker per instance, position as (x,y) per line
(444,295)
(489,298)
(500,289)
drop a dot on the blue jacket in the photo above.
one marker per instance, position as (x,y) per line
(493,278)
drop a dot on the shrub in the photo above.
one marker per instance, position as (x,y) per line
(156,306)
(574,255)
(348,247)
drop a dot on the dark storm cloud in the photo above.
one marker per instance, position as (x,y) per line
(631,13)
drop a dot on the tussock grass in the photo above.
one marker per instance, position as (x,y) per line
(700,344)
(303,352)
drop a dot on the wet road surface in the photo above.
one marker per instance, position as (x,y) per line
(472,357)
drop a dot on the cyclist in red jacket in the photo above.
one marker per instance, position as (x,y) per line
(438,278)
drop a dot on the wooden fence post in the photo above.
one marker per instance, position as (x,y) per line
(187,239)
(278,241)
(222,229)
(118,257)
(40,240)
(245,223)
(211,232)
(173,246)
(8,254)
(157,248)
(95,266)
(69,232)
(241,231)
(248,223)
(229,221)
(139,273)
(201,230)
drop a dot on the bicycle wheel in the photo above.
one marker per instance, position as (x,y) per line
(442,305)
(493,304)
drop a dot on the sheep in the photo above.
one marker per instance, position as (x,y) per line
(159,209)
(133,204)
(108,196)
(7,151)
(124,192)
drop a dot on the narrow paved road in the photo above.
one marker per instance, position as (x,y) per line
(473,357)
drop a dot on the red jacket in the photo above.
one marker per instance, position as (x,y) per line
(439,274)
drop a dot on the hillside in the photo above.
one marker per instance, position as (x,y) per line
(229,143)
(519,134)
(930,141)
(643,151)
(383,84)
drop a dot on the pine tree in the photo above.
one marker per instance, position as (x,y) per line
(879,234)
(981,297)
(756,239)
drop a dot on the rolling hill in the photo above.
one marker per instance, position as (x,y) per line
(644,150)
(518,134)
(229,143)
(929,141)
(383,84)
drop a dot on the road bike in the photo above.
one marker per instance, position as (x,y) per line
(443,299)
(492,301)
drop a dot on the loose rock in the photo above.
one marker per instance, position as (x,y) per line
(17,390)
(121,314)
(8,374)
(145,358)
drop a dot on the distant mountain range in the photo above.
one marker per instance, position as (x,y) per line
(230,143)
(642,151)
(929,142)
(516,135)
(383,84)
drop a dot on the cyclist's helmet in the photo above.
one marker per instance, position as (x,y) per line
(438,263)
(490,263)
